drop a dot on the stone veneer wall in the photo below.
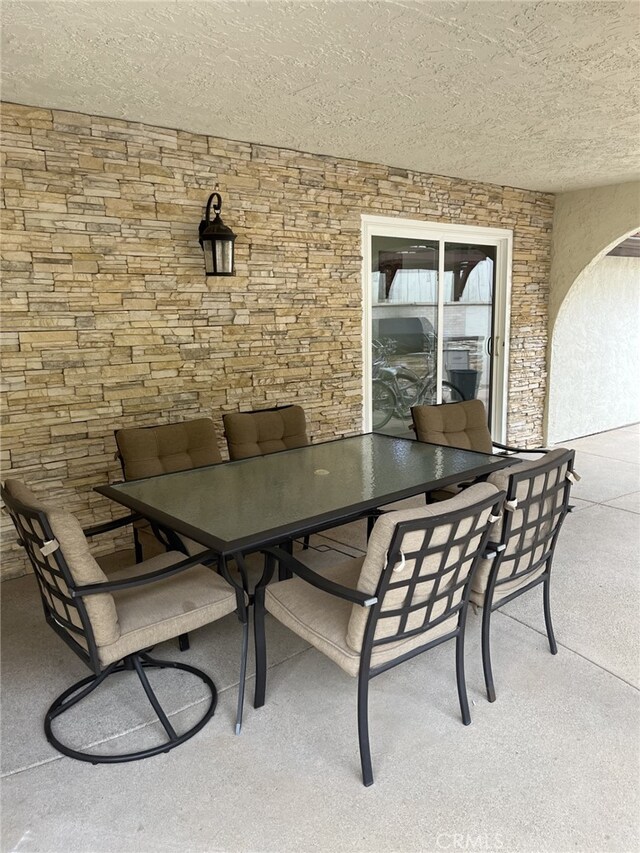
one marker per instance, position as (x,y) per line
(109,320)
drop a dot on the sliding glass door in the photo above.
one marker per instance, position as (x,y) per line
(435,319)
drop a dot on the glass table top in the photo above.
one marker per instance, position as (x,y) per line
(258,500)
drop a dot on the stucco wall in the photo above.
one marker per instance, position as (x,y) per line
(109,320)
(596,352)
(587,223)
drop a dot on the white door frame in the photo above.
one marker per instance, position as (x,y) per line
(502,239)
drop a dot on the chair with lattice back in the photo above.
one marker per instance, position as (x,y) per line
(112,622)
(523,541)
(408,594)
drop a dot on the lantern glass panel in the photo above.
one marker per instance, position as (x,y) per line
(207,245)
(224,256)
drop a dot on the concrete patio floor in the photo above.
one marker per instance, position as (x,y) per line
(552,765)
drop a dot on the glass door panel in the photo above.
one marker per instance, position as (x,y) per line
(467,320)
(404,291)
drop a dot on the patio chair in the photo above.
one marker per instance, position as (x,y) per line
(112,622)
(408,594)
(522,543)
(462,425)
(264,431)
(148,451)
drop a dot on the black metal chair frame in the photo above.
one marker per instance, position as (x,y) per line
(388,582)
(47,558)
(552,520)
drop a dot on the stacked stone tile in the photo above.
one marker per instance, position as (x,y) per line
(109,321)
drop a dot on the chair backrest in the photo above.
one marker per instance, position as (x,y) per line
(266,431)
(59,554)
(537,502)
(455,424)
(147,451)
(419,564)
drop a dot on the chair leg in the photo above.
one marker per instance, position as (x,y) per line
(305,543)
(243,674)
(547,616)
(151,696)
(183,642)
(260,647)
(486,651)
(363,729)
(460,679)
(137,547)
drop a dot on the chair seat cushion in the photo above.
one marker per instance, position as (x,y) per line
(322,619)
(158,611)
(481,579)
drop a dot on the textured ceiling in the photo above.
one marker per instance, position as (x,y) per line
(542,95)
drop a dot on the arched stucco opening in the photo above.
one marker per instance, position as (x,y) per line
(593,316)
(594,351)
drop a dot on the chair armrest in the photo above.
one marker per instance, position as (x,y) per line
(519,449)
(106,526)
(139,580)
(307,574)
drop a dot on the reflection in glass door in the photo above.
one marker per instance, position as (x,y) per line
(404,281)
(467,319)
(431,320)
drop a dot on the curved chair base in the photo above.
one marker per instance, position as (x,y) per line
(137,662)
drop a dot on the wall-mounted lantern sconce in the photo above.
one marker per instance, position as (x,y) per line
(216,240)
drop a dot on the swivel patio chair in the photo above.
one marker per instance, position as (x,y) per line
(112,622)
(408,594)
(462,425)
(522,543)
(149,451)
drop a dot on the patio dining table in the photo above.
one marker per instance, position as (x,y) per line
(235,508)
(243,506)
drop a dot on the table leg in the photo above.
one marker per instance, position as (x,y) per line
(259,634)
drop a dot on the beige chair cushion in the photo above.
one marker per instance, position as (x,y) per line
(461,425)
(335,626)
(158,611)
(147,451)
(323,619)
(501,480)
(260,433)
(376,558)
(82,565)
(24,495)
